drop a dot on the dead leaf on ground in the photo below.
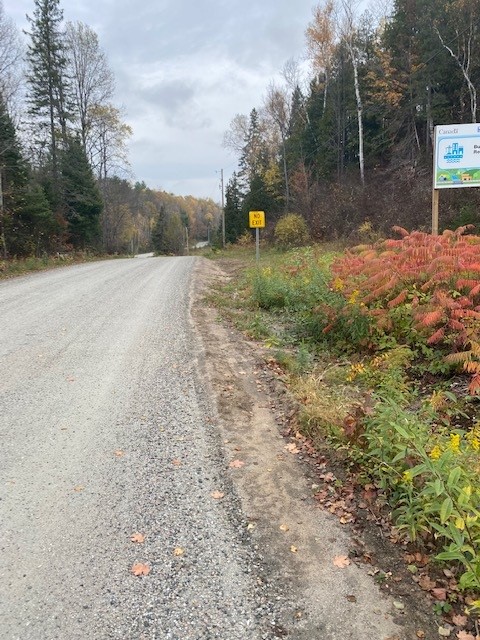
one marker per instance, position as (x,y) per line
(119,453)
(137,537)
(341,561)
(445,632)
(178,551)
(351,598)
(463,635)
(420,634)
(292,448)
(426,583)
(284,527)
(293,549)
(236,464)
(439,593)
(217,495)
(459,620)
(140,569)
(251,526)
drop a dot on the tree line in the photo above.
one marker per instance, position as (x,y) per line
(64,171)
(352,141)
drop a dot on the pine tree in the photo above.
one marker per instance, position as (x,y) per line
(82,198)
(13,177)
(235,219)
(46,76)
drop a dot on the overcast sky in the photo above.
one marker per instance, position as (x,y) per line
(183,69)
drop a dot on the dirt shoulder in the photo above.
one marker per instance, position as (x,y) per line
(317,564)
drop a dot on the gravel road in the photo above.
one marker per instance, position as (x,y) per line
(106,431)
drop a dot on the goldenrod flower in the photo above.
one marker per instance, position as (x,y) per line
(454,444)
(435,453)
(353,298)
(338,284)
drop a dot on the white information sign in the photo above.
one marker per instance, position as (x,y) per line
(457,156)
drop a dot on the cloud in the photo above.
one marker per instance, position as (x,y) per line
(184,69)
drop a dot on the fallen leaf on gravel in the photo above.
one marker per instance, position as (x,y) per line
(351,598)
(459,620)
(439,593)
(178,551)
(292,448)
(217,495)
(137,537)
(293,549)
(236,464)
(140,569)
(463,635)
(176,462)
(79,488)
(327,477)
(119,453)
(284,527)
(341,561)
(426,583)
(420,634)
(444,631)
(251,525)
(398,605)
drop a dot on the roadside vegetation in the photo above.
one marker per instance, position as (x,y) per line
(381,346)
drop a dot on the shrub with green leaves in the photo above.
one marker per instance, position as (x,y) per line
(291,231)
(430,477)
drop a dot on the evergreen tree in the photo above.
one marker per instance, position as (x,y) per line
(82,198)
(13,177)
(258,198)
(27,224)
(46,76)
(235,219)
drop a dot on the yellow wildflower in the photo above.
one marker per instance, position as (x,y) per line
(407,476)
(454,444)
(338,284)
(353,298)
(435,453)
(473,438)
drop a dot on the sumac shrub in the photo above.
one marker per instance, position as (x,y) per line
(421,289)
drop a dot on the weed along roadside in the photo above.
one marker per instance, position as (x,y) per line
(379,348)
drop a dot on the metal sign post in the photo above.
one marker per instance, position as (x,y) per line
(256,221)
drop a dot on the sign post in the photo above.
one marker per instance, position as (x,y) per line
(456,161)
(256,221)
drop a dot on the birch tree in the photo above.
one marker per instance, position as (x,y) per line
(92,83)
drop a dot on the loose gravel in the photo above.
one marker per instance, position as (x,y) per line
(106,431)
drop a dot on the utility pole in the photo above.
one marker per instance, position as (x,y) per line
(2,225)
(223,209)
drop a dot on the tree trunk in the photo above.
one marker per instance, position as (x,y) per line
(361,159)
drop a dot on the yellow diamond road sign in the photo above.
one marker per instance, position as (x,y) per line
(256,219)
